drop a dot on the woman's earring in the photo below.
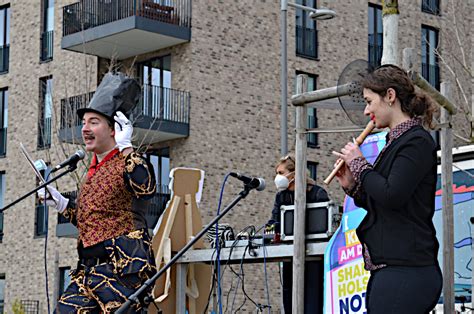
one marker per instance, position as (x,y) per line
(389,104)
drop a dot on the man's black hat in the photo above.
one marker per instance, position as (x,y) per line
(116,92)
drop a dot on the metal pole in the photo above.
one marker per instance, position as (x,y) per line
(299,252)
(284,80)
(447,199)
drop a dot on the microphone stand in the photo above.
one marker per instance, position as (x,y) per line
(133,298)
(71,168)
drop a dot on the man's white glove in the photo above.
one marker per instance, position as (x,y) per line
(123,131)
(53,199)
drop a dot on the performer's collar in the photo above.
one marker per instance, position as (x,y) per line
(95,164)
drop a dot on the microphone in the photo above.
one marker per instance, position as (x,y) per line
(73,160)
(253,183)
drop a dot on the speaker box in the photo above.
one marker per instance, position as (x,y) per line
(319,220)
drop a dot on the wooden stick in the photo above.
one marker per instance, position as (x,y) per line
(359,140)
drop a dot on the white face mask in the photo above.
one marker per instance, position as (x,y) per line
(281,182)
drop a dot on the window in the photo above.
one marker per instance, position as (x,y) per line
(41,219)
(429,57)
(3,121)
(64,279)
(313,169)
(160,160)
(45,112)
(312,138)
(430,6)
(306,33)
(4,38)
(155,75)
(47,31)
(2,292)
(2,196)
(375,35)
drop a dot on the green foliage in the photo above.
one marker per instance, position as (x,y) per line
(17,308)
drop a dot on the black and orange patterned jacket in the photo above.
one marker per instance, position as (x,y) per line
(104,207)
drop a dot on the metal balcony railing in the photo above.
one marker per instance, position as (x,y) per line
(69,106)
(157,103)
(87,14)
(431,73)
(375,55)
(47,46)
(430,6)
(165,104)
(4,58)
(306,42)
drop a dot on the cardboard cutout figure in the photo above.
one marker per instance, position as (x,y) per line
(180,221)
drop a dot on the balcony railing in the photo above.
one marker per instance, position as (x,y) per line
(44,134)
(4,58)
(157,103)
(165,104)
(431,73)
(430,6)
(47,46)
(306,42)
(92,13)
(375,55)
(3,142)
(69,108)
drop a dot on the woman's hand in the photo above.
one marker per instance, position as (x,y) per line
(344,176)
(350,152)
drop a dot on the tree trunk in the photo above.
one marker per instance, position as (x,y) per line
(390,32)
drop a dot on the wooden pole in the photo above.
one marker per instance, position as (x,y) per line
(299,253)
(447,199)
(320,94)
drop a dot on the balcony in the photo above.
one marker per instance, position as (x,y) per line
(124,28)
(156,206)
(161,115)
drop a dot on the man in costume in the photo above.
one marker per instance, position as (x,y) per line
(115,255)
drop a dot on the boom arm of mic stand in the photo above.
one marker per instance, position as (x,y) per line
(134,297)
(69,169)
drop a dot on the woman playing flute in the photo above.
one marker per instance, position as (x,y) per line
(399,242)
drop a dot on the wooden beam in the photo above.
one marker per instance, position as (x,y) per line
(447,202)
(299,253)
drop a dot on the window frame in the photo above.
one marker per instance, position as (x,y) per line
(430,66)
(302,52)
(3,182)
(4,93)
(310,143)
(5,45)
(376,9)
(42,142)
(427,6)
(309,166)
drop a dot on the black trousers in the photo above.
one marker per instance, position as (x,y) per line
(403,289)
(313,287)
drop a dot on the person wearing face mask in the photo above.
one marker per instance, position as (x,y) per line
(314,270)
(398,237)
